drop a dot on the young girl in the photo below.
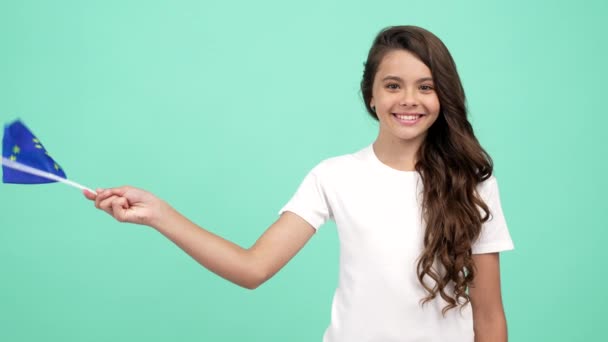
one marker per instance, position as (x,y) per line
(418,211)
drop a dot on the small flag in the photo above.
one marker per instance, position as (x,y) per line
(20,145)
(26,161)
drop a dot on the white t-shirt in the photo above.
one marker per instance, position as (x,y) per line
(378,215)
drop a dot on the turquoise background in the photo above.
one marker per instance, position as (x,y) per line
(222,107)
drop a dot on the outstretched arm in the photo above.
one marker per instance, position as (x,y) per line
(248,268)
(489,320)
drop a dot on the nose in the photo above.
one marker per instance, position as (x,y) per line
(408,98)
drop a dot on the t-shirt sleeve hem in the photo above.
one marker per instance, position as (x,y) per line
(312,221)
(500,246)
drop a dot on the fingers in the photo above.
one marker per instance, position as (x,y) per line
(123,203)
(106,204)
(89,195)
(119,208)
(103,194)
(119,191)
(115,206)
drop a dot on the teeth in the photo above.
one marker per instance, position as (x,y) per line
(407,117)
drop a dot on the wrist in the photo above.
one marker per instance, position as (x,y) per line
(161,217)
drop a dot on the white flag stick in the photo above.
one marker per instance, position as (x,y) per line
(33,171)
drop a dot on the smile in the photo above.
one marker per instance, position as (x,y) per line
(407,119)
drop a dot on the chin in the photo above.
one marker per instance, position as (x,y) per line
(409,138)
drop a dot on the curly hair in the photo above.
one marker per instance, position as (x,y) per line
(451,163)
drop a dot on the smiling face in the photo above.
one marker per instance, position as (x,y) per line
(404,98)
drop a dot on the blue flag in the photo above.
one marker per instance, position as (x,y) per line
(19,144)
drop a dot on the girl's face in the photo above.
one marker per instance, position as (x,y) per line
(404,96)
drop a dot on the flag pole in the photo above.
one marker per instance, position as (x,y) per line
(33,171)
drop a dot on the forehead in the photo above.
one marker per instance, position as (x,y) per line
(403,64)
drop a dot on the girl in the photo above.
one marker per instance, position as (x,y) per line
(418,211)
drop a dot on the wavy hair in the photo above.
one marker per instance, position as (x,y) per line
(451,163)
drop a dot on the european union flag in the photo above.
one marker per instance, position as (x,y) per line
(19,144)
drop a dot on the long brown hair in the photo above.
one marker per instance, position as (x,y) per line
(451,163)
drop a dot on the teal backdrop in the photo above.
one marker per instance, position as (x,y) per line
(222,107)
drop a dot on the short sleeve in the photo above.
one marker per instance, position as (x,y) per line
(494,236)
(310,200)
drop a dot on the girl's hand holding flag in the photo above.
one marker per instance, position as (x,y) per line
(129,204)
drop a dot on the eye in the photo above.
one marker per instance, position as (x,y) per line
(426,87)
(392,86)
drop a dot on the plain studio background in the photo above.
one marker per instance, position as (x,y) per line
(222,107)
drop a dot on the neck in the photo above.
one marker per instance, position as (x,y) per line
(396,153)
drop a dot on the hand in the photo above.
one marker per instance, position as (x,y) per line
(128,204)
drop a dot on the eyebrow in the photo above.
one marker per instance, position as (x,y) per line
(399,79)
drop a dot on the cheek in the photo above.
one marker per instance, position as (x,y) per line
(386,102)
(437,110)
(434,105)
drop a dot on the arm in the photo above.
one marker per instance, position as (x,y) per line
(489,320)
(248,268)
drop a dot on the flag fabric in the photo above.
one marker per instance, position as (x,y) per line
(20,145)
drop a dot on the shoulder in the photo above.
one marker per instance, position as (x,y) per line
(488,186)
(488,191)
(340,164)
